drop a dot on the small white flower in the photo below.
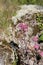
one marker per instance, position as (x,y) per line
(31,62)
(14,19)
(30,31)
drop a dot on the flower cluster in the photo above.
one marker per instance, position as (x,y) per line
(23,26)
(37,45)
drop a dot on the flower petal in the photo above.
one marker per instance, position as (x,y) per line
(36,46)
(41,53)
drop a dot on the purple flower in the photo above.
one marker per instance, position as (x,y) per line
(41,53)
(23,26)
(36,46)
(35,38)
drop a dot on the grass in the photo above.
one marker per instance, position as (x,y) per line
(8,9)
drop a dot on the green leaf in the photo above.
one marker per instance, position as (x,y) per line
(41,38)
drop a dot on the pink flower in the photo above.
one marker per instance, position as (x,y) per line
(35,38)
(36,46)
(23,26)
(41,53)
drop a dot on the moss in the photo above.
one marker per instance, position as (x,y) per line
(41,26)
(14,63)
(39,18)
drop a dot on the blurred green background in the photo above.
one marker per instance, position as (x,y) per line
(8,9)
